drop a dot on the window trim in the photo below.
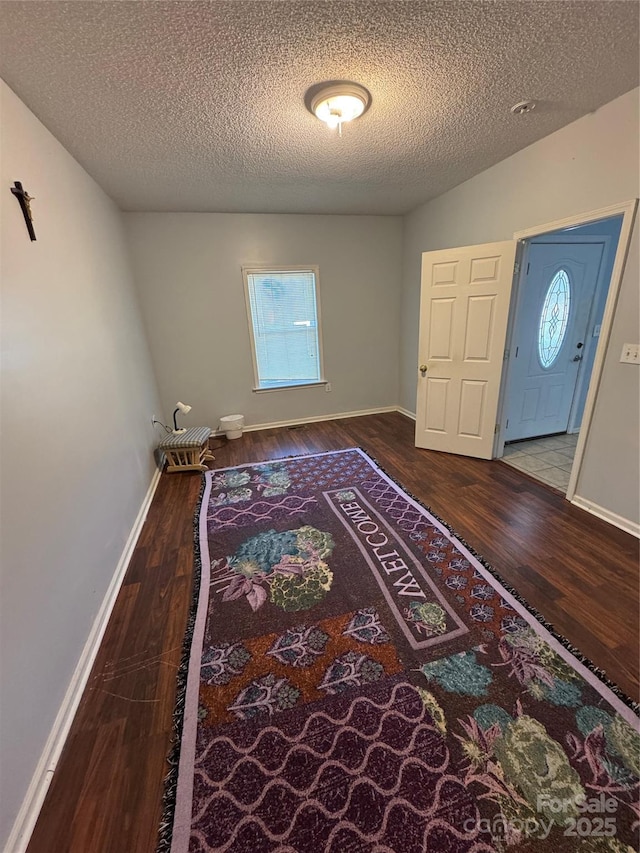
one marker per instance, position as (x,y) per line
(248,269)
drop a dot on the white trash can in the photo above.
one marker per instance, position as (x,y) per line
(232,425)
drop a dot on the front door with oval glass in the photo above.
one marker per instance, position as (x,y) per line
(551,323)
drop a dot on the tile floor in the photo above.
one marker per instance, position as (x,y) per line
(548,459)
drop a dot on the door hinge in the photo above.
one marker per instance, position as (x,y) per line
(506,355)
(516,267)
(497,429)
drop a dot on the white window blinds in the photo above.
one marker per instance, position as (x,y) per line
(284,318)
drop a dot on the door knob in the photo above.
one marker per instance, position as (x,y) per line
(577,358)
(423,369)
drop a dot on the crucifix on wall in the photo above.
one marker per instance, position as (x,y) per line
(24,199)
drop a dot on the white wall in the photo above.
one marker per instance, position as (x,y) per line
(187,269)
(76,459)
(589,164)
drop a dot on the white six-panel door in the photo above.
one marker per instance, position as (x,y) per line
(463,323)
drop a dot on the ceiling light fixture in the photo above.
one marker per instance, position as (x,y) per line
(338,102)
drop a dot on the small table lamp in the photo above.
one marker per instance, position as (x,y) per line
(180,407)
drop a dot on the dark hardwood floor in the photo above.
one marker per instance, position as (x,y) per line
(578,571)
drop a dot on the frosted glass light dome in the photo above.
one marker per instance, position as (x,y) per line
(338,103)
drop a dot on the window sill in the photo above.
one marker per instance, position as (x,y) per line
(290,387)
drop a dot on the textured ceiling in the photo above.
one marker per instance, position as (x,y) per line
(200,105)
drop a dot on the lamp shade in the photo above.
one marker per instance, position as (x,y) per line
(183,407)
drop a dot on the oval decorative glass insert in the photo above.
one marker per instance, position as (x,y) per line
(554,318)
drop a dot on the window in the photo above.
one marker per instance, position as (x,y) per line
(554,318)
(284,322)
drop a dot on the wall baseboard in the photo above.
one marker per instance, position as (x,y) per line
(317,419)
(625,524)
(406,413)
(41,779)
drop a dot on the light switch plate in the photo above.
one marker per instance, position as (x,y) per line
(630,354)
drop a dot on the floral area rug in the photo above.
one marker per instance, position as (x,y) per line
(356,679)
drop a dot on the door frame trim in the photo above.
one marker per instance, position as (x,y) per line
(628,211)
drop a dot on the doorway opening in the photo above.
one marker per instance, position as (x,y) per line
(556,320)
(466,352)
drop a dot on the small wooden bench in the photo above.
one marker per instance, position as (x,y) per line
(188,450)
